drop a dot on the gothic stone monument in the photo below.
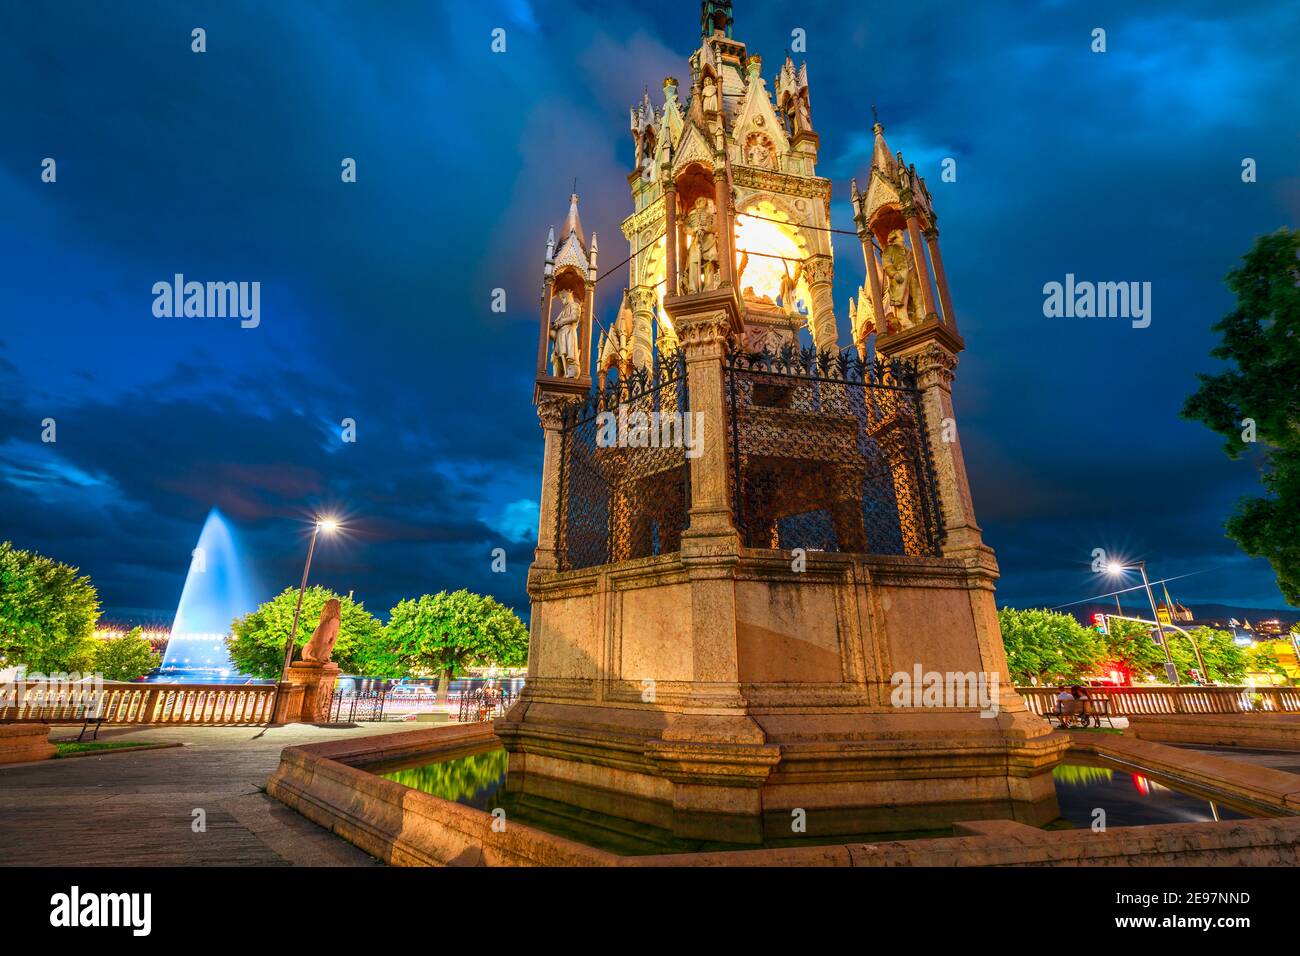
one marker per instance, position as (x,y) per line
(744,545)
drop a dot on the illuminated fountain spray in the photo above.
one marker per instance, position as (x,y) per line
(215,593)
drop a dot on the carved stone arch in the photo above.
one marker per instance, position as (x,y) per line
(885,220)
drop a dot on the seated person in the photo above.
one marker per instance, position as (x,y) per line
(1067,706)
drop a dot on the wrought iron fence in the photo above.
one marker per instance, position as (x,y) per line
(364,705)
(829,453)
(624,476)
(483,704)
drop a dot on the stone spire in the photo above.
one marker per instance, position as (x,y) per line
(572,224)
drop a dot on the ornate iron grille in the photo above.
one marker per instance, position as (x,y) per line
(830,454)
(624,475)
(366,705)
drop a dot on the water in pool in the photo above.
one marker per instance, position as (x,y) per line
(478,780)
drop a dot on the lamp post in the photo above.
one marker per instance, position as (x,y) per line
(328,525)
(1171,671)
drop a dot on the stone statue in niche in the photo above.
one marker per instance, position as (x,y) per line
(759,152)
(321,645)
(902,288)
(703,273)
(710,94)
(803,121)
(564,333)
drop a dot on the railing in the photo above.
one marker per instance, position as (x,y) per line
(1154,701)
(126,703)
(624,476)
(366,705)
(478,706)
(829,453)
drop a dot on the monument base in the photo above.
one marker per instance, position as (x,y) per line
(617,718)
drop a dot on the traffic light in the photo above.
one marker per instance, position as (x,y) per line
(1099,622)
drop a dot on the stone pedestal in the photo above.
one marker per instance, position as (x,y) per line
(305,697)
(20,743)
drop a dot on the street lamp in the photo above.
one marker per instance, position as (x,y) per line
(329,526)
(1115,568)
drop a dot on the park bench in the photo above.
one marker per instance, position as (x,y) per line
(1094,708)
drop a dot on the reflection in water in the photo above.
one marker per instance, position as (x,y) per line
(471,780)
(1078,776)
(479,781)
(1130,799)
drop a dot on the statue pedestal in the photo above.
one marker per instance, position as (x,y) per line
(304,697)
(20,743)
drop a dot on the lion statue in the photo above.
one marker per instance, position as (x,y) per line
(321,645)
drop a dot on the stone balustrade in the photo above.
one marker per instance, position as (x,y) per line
(130,703)
(1156,701)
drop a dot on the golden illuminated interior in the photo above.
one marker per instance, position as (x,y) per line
(654,275)
(764,239)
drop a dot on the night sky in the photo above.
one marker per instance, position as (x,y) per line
(376,296)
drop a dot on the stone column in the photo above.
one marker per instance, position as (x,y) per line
(819,270)
(548,291)
(550,413)
(934,347)
(722,206)
(584,331)
(922,265)
(895,438)
(703,336)
(643,301)
(873,279)
(940,279)
(670,238)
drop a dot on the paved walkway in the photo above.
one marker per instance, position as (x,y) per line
(138,808)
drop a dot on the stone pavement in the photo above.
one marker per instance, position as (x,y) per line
(138,808)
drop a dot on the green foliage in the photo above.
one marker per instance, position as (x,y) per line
(257,641)
(1129,644)
(1056,649)
(1262,659)
(1260,342)
(126,658)
(47,613)
(445,633)
(1047,646)
(457,779)
(1225,662)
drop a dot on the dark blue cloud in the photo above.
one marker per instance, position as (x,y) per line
(376,296)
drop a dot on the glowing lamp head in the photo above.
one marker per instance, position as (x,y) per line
(328,525)
(1115,568)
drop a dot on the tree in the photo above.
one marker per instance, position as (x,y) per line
(256,643)
(1225,662)
(47,613)
(1263,659)
(1129,644)
(1256,400)
(126,657)
(1045,647)
(445,633)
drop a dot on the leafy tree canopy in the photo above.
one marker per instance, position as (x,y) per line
(1256,399)
(126,657)
(47,613)
(256,643)
(1047,647)
(444,633)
